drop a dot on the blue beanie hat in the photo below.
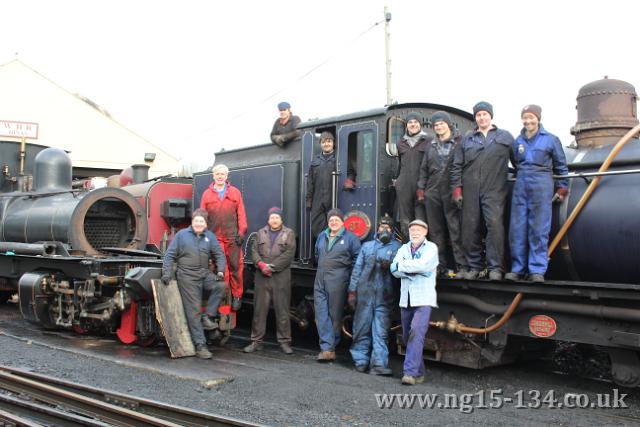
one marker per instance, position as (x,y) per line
(283,106)
(483,106)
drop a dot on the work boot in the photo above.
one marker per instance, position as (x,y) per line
(254,346)
(495,275)
(536,278)
(512,277)
(381,370)
(326,356)
(409,380)
(209,324)
(462,273)
(286,348)
(203,352)
(361,368)
(236,304)
(471,275)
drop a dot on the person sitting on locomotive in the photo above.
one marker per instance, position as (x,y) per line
(285,127)
(190,251)
(416,265)
(434,190)
(319,184)
(480,169)
(272,253)
(335,252)
(372,295)
(411,148)
(537,156)
(228,221)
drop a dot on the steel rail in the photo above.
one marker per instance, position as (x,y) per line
(112,407)
(22,412)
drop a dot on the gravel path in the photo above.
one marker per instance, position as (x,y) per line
(271,388)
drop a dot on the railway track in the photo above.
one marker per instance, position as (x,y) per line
(30,399)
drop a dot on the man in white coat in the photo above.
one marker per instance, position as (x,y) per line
(415,265)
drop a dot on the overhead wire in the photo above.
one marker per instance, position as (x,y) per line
(296,81)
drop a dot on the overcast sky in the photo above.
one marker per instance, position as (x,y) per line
(204,75)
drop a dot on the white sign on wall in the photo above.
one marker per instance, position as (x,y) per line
(19,129)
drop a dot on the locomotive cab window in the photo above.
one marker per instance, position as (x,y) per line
(360,156)
(395,131)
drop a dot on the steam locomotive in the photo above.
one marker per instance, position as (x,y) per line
(76,277)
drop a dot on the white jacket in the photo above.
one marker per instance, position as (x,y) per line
(417,274)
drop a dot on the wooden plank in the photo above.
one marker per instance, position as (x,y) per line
(173,322)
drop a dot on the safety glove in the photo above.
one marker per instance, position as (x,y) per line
(561,194)
(456,197)
(265,269)
(348,185)
(352,300)
(219,276)
(420,194)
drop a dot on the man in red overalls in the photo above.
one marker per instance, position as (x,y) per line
(228,221)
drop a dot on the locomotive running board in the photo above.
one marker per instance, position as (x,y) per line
(173,322)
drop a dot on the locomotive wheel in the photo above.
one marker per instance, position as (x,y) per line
(149,341)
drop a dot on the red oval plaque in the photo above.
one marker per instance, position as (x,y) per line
(542,326)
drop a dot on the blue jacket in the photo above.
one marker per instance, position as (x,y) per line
(192,254)
(365,273)
(542,154)
(417,274)
(335,260)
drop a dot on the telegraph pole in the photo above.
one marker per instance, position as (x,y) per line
(387,37)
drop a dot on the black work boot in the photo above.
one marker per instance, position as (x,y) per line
(203,352)
(536,278)
(286,348)
(512,277)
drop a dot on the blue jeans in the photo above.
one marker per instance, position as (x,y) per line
(415,323)
(370,333)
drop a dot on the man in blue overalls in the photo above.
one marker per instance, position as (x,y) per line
(371,295)
(537,155)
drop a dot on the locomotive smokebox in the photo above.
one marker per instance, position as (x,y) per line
(606,111)
(85,221)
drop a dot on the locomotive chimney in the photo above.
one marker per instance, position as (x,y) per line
(606,111)
(52,171)
(140,173)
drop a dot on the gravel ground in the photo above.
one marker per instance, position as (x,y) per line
(271,388)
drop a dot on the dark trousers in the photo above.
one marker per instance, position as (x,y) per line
(263,293)
(443,218)
(318,218)
(191,291)
(480,212)
(408,208)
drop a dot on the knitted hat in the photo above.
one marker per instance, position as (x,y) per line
(274,210)
(284,106)
(413,115)
(441,116)
(533,109)
(335,212)
(483,106)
